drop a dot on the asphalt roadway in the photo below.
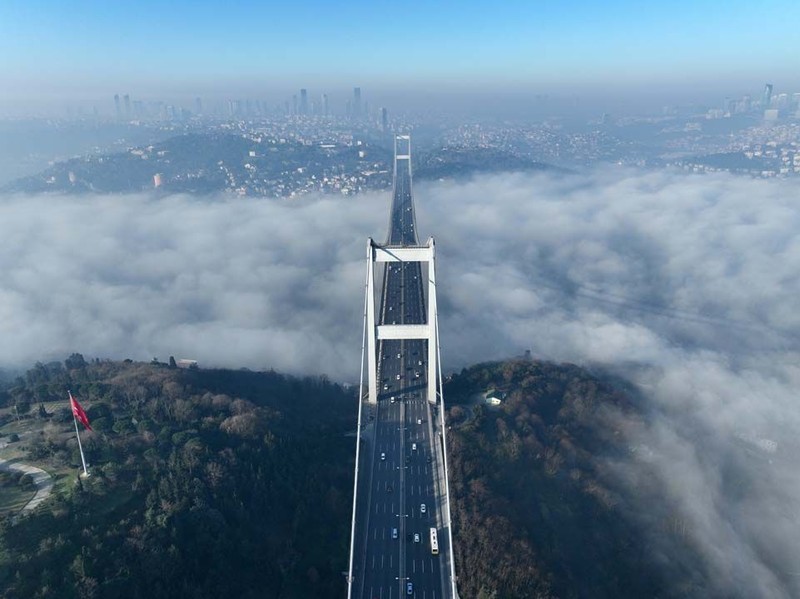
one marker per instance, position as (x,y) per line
(401,489)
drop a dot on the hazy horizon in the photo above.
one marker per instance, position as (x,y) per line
(451,56)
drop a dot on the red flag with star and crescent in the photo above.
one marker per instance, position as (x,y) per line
(79,412)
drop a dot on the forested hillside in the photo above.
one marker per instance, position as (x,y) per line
(537,509)
(221,483)
(203,483)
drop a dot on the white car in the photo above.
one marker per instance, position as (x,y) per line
(397,377)
(413,447)
(422,508)
(391,399)
(416,537)
(383,457)
(419,420)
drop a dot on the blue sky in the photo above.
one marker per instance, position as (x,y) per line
(76,47)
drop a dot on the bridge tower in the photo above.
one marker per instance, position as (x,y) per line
(387,254)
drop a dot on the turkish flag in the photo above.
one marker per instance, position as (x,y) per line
(78,412)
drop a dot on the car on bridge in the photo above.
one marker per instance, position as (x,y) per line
(422,508)
(383,457)
(409,588)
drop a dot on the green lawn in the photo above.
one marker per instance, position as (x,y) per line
(13,498)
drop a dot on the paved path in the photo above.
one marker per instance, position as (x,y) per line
(42,480)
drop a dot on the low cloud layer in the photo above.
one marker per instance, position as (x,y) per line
(227,282)
(685,284)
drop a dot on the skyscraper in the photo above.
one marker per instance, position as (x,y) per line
(384,120)
(198,106)
(303,102)
(325,104)
(767,98)
(747,103)
(127,99)
(116,106)
(356,102)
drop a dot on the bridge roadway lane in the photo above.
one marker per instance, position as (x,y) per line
(402,478)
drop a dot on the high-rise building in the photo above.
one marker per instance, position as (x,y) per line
(766,100)
(303,102)
(294,105)
(127,99)
(116,106)
(384,120)
(356,107)
(747,103)
(729,106)
(325,109)
(198,106)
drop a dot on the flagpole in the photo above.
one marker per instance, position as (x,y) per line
(78,434)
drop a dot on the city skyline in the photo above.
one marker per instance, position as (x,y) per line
(618,51)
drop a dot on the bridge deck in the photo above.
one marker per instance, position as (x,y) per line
(401,460)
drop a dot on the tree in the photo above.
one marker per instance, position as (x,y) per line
(75,362)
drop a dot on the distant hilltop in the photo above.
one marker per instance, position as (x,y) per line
(258,165)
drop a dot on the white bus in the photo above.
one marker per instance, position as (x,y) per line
(434,542)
